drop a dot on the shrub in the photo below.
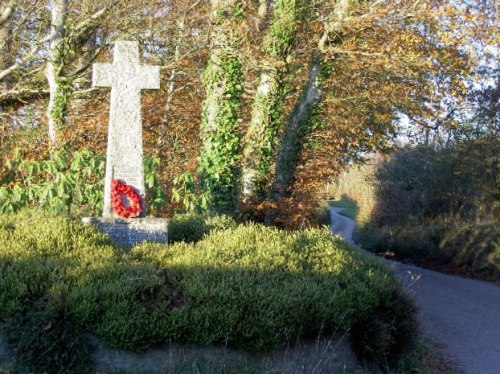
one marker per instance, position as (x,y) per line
(466,246)
(388,332)
(192,227)
(248,286)
(475,247)
(67,182)
(45,341)
(438,207)
(258,287)
(125,304)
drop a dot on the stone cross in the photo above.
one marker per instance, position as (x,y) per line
(126,77)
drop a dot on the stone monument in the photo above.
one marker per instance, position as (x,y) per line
(124,157)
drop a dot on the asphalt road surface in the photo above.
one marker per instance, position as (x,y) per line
(461,316)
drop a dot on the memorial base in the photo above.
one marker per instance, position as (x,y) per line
(129,232)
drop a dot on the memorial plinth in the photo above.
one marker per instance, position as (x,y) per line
(131,231)
(124,156)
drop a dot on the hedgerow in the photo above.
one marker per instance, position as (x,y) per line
(246,286)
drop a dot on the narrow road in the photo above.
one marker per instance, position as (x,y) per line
(460,315)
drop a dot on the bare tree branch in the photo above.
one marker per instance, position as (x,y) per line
(31,54)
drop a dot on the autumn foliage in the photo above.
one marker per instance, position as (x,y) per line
(380,61)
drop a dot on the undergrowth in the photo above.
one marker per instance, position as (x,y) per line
(436,207)
(248,286)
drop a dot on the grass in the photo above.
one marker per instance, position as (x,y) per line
(350,208)
(317,356)
(247,287)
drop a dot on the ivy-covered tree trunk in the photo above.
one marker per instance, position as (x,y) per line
(261,136)
(221,117)
(57,91)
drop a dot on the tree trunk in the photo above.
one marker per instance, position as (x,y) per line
(221,115)
(260,139)
(257,152)
(171,80)
(286,162)
(57,91)
(6,12)
(297,124)
(262,11)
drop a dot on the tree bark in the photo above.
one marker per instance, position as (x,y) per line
(257,152)
(286,162)
(57,94)
(6,12)
(291,143)
(262,12)
(221,116)
(260,140)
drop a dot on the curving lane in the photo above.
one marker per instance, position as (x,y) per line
(462,316)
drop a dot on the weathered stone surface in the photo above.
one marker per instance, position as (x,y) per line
(126,77)
(128,232)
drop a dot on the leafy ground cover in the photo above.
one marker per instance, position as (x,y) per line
(249,286)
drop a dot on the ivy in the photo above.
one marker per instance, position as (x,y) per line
(60,104)
(263,145)
(220,132)
(281,33)
(267,109)
(61,97)
(315,121)
(155,194)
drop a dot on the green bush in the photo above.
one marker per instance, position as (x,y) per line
(46,341)
(436,207)
(248,286)
(257,287)
(192,227)
(475,247)
(388,332)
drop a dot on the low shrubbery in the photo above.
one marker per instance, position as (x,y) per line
(46,341)
(388,332)
(246,286)
(192,227)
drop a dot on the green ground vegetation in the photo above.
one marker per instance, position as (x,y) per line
(350,209)
(249,287)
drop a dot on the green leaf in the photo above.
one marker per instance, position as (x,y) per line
(151,180)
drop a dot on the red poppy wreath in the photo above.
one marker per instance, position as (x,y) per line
(133,209)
